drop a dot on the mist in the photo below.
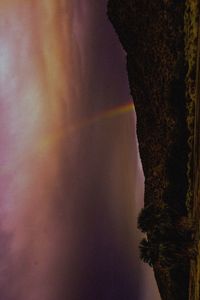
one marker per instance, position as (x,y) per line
(71,179)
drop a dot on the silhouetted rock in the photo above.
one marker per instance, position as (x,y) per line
(152,34)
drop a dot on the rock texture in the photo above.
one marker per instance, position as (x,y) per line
(152,34)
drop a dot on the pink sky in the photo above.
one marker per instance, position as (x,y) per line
(71,180)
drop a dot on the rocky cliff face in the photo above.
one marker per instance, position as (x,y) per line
(153,38)
(152,34)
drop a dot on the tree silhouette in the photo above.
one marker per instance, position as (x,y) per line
(148,252)
(170,237)
(168,254)
(152,216)
(146,220)
(164,221)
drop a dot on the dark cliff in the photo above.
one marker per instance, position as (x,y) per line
(152,34)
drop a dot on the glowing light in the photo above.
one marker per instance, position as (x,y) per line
(107,114)
(49,141)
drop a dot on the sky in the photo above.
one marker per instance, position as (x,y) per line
(71,179)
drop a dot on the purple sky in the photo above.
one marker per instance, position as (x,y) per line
(71,179)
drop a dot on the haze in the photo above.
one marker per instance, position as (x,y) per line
(71,180)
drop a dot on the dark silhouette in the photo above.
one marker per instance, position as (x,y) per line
(148,252)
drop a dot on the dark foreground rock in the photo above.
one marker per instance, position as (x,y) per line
(152,34)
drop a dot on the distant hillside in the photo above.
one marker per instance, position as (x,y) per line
(158,37)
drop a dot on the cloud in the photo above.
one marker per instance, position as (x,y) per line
(67,196)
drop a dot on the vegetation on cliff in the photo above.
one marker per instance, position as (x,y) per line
(160,40)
